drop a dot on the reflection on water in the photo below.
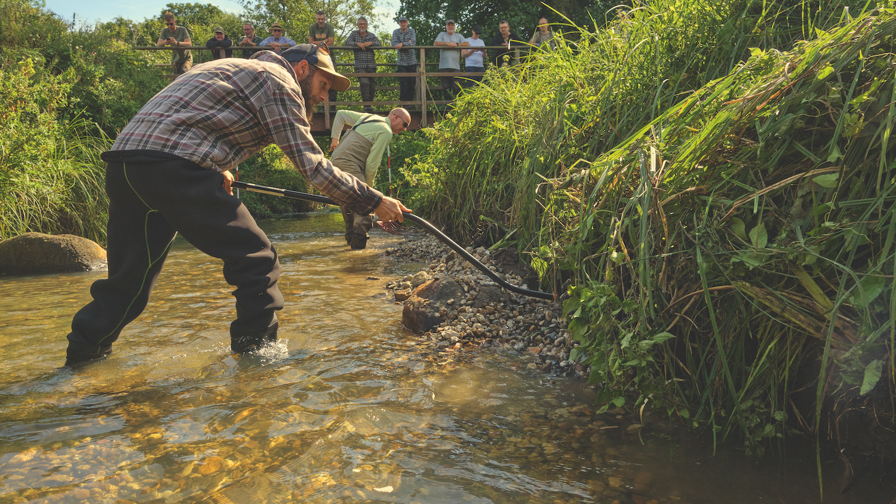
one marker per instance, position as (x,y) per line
(347,407)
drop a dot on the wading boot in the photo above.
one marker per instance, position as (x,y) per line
(359,242)
(250,343)
(78,358)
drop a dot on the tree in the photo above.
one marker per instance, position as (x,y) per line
(193,13)
(428,17)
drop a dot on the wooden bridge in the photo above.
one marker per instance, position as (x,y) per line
(424,109)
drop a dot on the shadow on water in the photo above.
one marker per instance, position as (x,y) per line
(347,406)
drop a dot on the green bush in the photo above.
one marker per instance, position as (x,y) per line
(270,167)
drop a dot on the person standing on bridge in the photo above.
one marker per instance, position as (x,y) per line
(474,59)
(176,36)
(167,173)
(365,60)
(449,61)
(360,153)
(507,39)
(278,41)
(250,39)
(220,45)
(404,38)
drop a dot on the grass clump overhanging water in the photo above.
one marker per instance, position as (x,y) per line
(714,194)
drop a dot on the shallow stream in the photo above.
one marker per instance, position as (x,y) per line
(348,407)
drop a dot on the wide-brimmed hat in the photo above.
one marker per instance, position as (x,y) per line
(275,25)
(320,58)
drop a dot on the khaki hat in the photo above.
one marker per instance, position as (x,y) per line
(320,58)
(276,25)
(219,30)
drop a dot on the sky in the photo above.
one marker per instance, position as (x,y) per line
(92,11)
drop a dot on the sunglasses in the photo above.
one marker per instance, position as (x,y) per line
(170,24)
(276,31)
(405,124)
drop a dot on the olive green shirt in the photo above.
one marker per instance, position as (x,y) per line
(180,34)
(377,130)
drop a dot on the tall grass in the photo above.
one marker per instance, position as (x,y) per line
(50,172)
(717,192)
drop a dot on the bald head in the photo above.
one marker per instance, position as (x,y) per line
(400,119)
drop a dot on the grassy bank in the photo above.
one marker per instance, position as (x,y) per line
(711,184)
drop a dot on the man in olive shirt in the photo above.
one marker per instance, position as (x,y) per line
(250,39)
(322,32)
(360,153)
(177,36)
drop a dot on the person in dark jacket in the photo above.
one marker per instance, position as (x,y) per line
(220,45)
(507,39)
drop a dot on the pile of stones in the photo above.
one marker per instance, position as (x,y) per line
(484,315)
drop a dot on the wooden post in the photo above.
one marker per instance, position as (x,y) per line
(422,87)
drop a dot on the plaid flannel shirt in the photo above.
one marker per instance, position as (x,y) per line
(222,112)
(363,58)
(409,39)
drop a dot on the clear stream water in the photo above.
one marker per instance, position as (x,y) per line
(348,407)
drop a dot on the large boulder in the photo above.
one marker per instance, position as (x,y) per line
(423,310)
(38,253)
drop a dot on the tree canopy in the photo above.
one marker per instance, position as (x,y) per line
(428,17)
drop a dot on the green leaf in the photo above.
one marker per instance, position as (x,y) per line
(618,401)
(739,228)
(829,180)
(752,259)
(824,73)
(663,336)
(872,375)
(759,236)
(867,291)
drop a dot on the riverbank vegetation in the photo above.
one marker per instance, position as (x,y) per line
(711,184)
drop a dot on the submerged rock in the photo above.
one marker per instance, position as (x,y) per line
(38,253)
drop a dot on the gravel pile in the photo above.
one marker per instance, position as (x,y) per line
(532,327)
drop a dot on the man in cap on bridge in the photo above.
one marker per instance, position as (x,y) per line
(167,173)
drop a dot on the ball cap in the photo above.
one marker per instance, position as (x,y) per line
(450,21)
(320,58)
(403,18)
(219,30)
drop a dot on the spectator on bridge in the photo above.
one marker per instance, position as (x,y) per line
(449,60)
(507,39)
(277,41)
(474,58)
(168,173)
(404,39)
(220,45)
(177,36)
(250,39)
(360,153)
(543,35)
(322,32)
(365,60)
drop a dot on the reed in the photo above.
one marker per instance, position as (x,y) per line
(713,180)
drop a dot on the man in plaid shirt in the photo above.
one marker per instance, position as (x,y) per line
(365,62)
(404,39)
(167,173)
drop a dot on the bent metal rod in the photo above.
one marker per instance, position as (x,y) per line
(273,191)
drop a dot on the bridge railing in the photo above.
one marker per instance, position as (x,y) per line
(424,100)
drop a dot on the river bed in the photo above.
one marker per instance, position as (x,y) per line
(348,406)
